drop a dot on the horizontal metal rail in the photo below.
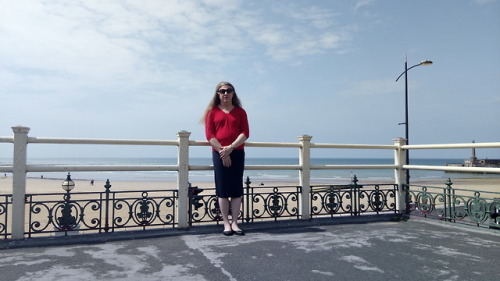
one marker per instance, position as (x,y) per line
(100,141)
(453,169)
(5,169)
(452,146)
(353,146)
(352,167)
(6,140)
(96,168)
(109,168)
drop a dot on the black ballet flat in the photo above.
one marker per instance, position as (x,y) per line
(227,232)
(239,232)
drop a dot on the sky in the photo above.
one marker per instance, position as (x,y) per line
(146,69)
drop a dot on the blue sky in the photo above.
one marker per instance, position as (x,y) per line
(147,69)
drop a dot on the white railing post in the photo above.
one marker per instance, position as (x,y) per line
(183,179)
(19,181)
(305,177)
(399,174)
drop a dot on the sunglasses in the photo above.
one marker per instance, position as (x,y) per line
(224,91)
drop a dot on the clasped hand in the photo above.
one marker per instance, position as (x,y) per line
(224,155)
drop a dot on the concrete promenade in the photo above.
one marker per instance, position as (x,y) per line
(418,249)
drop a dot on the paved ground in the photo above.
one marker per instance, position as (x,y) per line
(420,249)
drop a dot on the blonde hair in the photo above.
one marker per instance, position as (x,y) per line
(216,99)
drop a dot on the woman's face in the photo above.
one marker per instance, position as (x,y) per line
(225,93)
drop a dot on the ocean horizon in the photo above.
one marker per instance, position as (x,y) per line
(322,176)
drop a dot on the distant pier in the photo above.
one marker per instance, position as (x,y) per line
(473,161)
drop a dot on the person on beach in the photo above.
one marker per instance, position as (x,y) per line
(226,129)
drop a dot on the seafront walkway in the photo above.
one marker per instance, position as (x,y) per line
(332,249)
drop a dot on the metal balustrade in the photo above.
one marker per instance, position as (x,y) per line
(100,212)
(353,199)
(303,201)
(456,205)
(111,211)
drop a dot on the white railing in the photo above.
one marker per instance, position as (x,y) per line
(20,167)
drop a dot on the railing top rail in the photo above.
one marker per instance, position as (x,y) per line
(453,169)
(101,141)
(96,168)
(273,144)
(198,143)
(453,145)
(55,140)
(7,139)
(352,167)
(354,146)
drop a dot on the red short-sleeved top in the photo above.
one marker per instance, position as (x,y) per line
(226,127)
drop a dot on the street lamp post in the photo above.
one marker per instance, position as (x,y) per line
(407,136)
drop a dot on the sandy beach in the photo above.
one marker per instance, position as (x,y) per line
(37,185)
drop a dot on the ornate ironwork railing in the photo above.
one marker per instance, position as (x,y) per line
(110,211)
(98,212)
(353,199)
(274,203)
(259,203)
(5,205)
(480,208)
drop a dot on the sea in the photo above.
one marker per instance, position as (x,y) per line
(319,176)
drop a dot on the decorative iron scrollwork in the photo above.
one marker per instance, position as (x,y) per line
(477,209)
(143,211)
(67,214)
(3,215)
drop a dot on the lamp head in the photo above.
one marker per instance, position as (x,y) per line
(68,184)
(427,62)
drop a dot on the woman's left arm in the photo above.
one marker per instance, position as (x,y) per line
(239,140)
(226,150)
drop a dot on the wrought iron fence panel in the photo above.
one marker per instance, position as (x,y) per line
(99,211)
(258,203)
(142,209)
(210,211)
(273,202)
(456,205)
(203,208)
(331,200)
(353,199)
(378,199)
(428,203)
(5,204)
(55,212)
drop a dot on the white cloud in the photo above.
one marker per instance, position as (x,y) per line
(92,29)
(362,3)
(85,43)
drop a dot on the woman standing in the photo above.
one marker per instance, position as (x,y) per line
(226,128)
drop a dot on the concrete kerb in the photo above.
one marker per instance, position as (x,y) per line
(194,230)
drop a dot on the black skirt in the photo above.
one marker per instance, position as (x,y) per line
(229,181)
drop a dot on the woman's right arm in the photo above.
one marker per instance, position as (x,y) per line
(215,144)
